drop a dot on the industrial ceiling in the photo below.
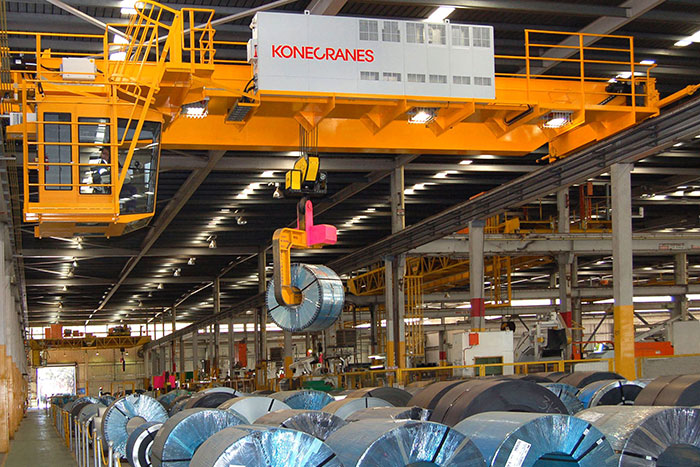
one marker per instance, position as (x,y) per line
(134,277)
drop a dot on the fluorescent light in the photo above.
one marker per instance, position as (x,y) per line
(409,191)
(268,174)
(445,173)
(440,14)
(678,145)
(556,122)
(127,7)
(683,43)
(422,115)
(466,162)
(647,62)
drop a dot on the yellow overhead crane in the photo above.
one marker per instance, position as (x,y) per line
(92,127)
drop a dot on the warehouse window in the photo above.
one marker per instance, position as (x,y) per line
(438,79)
(369,30)
(415,33)
(437,34)
(415,78)
(54,154)
(391,32)
(369,75)
(389,76)
(460,35)
(482,81)
(94,132)
(138,191)
(461,80)
(482,37)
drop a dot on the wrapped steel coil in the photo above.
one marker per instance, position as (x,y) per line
(395,396)
(168,398)
(258,446)
(314,422)
(304,399)
(88,411)
(228,390)
(551,376)
(567,394)
(346,407)
(62,400)
(580,379)
(140,444)
(429,397)
(178,404)
(181,435)
(390,413)
(387,443)
(125,414)
(649,436)
(511,395)
(616,392)
(322,299)
(683,390)
(253,407)
(76,407)
(207,400)
(262,392)
(528,439)
(106,400)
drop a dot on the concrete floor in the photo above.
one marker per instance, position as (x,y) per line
(38,443)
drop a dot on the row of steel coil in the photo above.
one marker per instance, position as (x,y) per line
(583,418)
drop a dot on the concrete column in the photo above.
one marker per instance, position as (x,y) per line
(173,315)
(372,329)
(217,336)
(680,274)
(576,311)
(395,269)
(288,354)
(564,260)
(262,286)
(195,355)
(231,341)
(173,366)
(622,270)
(163,361)
(146,364)
(477,315)
(181,347)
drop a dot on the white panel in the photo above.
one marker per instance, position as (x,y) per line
(327,54)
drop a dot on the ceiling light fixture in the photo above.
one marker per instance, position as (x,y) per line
(197,109)
(190,262)
(278,193)
(268,174)
(160,286)
(557,119)
(466,162)
(647,62)
(176,272)
(683,43)
(75,263)
(212,241)
(422,115)
(440,14)
(240,220)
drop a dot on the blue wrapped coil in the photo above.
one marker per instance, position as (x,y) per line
(390,413)
(253,407)
(529,439)
(168,398)
(314,422)
(323,297)
(258,446)
(388,443)
(567,394)
(304,399)
(125,414)
(649,436)
(183,433)
(609,392)
(345,407)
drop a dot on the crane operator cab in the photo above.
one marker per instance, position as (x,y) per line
(105,185)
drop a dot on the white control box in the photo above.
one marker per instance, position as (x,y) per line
(78,69)
(329,54)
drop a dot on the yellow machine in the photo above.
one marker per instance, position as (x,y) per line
(305,179)
(91,126)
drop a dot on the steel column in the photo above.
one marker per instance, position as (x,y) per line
(262,286)
(680,275)
(395,269)
(476,275)
(622,270)
(231,340)
(288,354)
(181,347)
(564,259)
(195,355)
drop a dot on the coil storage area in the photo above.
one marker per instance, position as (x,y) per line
(350,233)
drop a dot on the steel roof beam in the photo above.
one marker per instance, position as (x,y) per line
(607,24)
(534,6)
(326,7)
(646,139)
(166,216)
(91,253)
